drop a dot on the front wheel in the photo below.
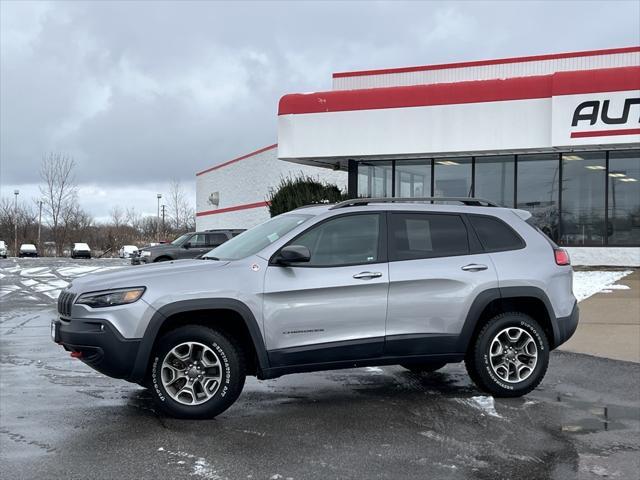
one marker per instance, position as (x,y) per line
(197,372)
(510,355)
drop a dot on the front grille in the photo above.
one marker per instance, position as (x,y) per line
(65,302)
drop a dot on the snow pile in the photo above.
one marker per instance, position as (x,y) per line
(586,284)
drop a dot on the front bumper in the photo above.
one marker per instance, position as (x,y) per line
(98,344)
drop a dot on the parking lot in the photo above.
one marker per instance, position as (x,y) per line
(60,419)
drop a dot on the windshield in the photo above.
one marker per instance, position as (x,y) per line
(257,238)
(181,239)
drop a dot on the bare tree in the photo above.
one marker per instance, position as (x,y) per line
(59,194)
(180,212)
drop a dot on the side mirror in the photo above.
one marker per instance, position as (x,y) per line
(187,245)
(293,254)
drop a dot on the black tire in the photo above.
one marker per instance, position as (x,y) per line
(478,362)
(162,259)
(233,371)
(419,368)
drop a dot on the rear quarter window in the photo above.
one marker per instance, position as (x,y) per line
(495,235)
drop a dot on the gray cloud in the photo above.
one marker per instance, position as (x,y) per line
(139,92)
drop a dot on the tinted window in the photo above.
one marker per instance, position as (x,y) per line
(420,235)
(348,240)
(495,235)
(215,239)
(583,186)
(624,198)
(538,187)
(198,241)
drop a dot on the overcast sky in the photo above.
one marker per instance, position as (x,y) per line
(139,93)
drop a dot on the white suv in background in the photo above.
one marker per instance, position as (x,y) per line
(80,250)
(127,251)
(3,249)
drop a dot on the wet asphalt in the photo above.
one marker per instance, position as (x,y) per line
(60,419)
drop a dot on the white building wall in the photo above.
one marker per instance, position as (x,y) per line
(246,182)
(460,73)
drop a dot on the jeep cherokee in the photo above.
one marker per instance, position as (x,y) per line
(415,282)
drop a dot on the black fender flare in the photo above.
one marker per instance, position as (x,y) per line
(183,306)
(487,296)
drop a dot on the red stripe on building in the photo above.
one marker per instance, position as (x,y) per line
(482,63)
(606,133)
(246,206)
(215,167)
(477,91)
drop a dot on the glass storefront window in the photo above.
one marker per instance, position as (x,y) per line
(413,178)
(624,198)
(452,177)
(538,179)
(495,179)
(374,179)
(583,185)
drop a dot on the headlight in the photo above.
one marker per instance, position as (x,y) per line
(111,298)
(145,253)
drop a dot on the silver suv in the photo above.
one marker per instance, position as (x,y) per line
(415,282)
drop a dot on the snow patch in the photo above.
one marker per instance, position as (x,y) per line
(374,370)
(484,404)
(586,284)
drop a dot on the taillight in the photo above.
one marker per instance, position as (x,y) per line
(562,257)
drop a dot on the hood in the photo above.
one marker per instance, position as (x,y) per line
(142,275)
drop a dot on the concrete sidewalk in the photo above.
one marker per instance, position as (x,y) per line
(610,323)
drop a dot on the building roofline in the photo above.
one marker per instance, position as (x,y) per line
(474,91)
(479,63)
(229,162)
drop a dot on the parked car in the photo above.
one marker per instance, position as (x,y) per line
(28,250)
(3,249)
(80,250)
(127,251)
(360,283)
(189,245)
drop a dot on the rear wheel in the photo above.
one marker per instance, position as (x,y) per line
(419,368)
(162,259)
(509,356)
(197,372)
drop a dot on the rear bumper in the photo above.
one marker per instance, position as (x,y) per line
(81,254)
(566,326)
(101,346)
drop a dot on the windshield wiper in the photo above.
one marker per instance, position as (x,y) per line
(210,258)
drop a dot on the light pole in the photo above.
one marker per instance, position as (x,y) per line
(159,196)
(16,192)
(39,225)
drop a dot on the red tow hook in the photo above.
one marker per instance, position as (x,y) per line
(76,354)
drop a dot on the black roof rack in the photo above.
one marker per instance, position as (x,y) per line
(469,201)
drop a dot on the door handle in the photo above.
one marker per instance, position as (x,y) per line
(367,275)
(474,267)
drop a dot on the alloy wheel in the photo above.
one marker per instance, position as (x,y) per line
(191,373)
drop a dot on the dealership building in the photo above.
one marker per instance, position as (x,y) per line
(234,193)
(558,135)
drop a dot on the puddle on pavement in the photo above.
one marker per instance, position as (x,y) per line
(602,418)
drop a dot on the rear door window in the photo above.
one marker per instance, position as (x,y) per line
(495,235)
(413,236)
(215,239)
